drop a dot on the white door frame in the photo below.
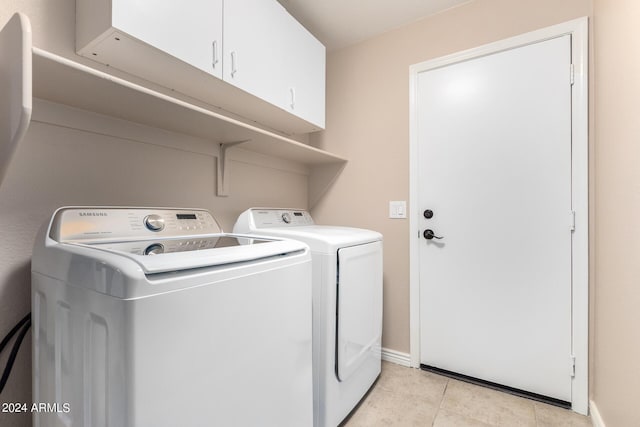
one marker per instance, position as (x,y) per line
(578,29)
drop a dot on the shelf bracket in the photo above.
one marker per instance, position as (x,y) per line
(223,170)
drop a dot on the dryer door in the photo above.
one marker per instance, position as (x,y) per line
(359,312)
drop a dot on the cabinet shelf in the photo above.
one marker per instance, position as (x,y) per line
(63,81)
(60,80)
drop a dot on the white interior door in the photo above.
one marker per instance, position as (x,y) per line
(494,149)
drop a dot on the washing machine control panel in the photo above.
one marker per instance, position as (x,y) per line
(265,218)
(100,224)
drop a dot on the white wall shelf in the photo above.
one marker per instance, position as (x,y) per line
(60,80)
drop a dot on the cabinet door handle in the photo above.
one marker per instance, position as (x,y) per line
(292,92)
(214,48)
(234,63)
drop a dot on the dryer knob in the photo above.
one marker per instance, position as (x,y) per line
(286,217)
(154,222)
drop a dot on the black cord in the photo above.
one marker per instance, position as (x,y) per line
(13,331)
(25,323)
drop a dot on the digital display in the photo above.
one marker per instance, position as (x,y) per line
(297,213)
(186,216)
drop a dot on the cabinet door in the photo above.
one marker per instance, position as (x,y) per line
(190,30)
(272,56)
(254,38)
(305,70)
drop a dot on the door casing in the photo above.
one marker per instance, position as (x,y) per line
(578,29)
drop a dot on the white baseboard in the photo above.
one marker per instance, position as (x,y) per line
(596,419)
(396,357)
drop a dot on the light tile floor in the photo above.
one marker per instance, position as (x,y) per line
(411,397)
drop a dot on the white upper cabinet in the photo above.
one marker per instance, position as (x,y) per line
(304,66)
(272,68)
(269,54)
(120,33)
(193,36)
(253,48)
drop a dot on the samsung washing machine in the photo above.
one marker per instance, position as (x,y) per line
(155,317)
(347,305)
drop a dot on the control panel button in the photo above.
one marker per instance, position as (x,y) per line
(154,222)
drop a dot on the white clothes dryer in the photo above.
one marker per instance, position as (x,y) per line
(154,317)
(347,305)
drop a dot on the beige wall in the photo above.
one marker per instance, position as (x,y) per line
(368,122)
(94,160)
(616,379)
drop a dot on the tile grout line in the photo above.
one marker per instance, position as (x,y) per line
(440,405)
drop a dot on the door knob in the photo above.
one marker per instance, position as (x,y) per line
(429,234)
(428,214)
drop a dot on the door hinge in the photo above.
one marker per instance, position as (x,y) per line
(572,73)
(573,220)
(572,366)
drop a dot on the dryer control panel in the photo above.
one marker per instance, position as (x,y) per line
(91,224)
(264,218)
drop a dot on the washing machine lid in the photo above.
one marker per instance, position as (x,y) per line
(160,239)
(161,256)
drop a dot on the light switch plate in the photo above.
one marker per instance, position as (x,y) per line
(398,209)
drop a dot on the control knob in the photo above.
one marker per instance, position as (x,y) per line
(154,249)
(154,222)
(286,217)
